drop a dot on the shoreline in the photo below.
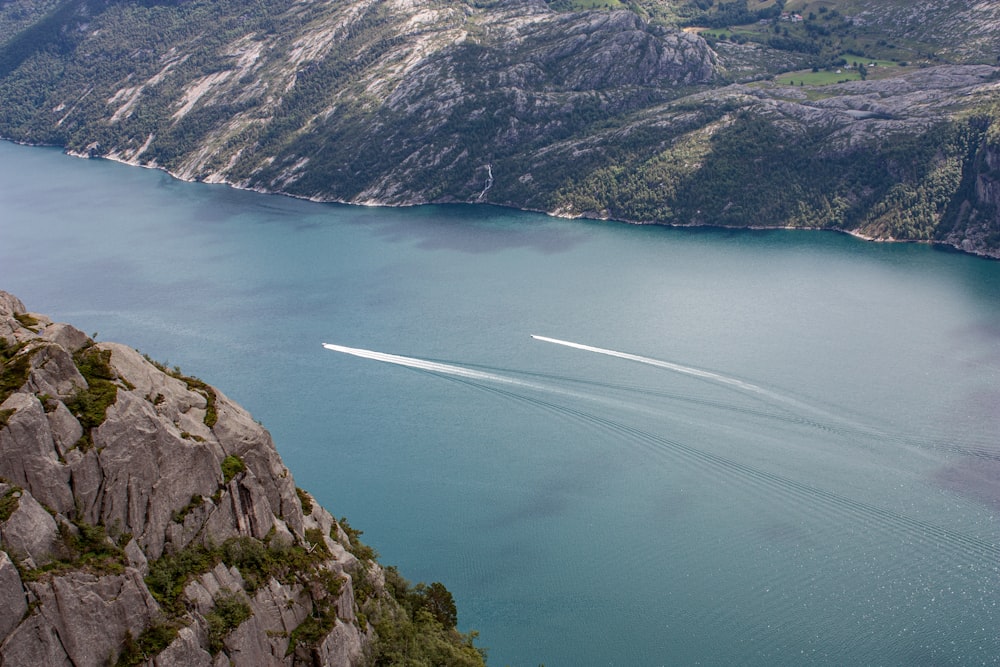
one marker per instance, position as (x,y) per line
(990,255)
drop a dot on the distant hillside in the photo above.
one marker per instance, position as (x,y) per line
(868,116)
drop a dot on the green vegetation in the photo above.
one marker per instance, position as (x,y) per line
(169,574)
(323,615)
(232,466)
(315,538)
(26,320)
(818,78)
(257,561)
(824,31)
(420,628)
(747,170)
(361,551)
(921,206)
(150,643)
(14,367)
(194,384)
(724,14)
(854,70)
(304,500)
(90,547)
(311,631)
(229,611)
(82,547)
(557,136)
(90,405)
(9,502)
(584,5)
(196,501)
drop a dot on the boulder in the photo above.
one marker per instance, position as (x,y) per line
(30,531)
(53,373)
(15,604)
(185,651)
(66,336)
(66,430)
(28,454)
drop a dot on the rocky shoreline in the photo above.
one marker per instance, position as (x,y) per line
(959,245)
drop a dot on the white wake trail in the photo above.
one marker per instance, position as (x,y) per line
(697,372)
(437,367)
(677,368)
(413,362)
(467,373)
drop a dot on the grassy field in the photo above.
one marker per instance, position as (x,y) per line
(820,78)
(583,5)
(882,69)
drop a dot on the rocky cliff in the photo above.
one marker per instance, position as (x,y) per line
(147,519)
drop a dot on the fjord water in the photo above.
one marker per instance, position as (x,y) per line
(721,447)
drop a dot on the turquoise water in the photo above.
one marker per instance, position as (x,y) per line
(798,463)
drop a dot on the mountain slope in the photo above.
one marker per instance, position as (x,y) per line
(597,113)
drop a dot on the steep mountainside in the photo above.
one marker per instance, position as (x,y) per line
(147,519)
(665,112)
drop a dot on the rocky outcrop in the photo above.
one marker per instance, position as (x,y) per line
(147,519)
(980,214)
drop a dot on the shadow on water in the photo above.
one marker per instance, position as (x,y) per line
(466,228)
(472,229)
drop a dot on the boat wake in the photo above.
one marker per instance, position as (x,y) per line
(909,528)
(686,370)
(424,365)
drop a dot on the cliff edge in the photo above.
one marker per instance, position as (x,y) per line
(145,518)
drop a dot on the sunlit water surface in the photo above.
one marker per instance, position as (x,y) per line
(762,447)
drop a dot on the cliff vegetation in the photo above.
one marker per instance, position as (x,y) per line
(146,519)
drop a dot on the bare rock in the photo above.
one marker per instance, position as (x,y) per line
(171,397)
(149,471)
(249,646)
(54,373)
(136,558)
(153,475)
(12,593)
(87,480)
(10,305)
(203,590)
(28,455)
(281,608)
(30,531)
(66,336)
(241,436)
(185,651)
(343,646)
(34,642)
(66,430)
(91,615)
(243,509)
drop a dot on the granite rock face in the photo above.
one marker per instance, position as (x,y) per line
(172,469)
